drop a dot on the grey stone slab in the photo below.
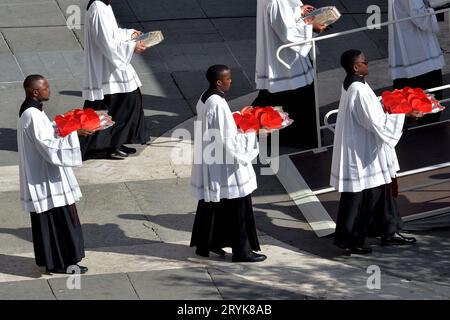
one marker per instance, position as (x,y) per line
(193,89)
(174,9)
(171,220)
(232,287)
(175,284)
(15,225)
(378,36)
(53,65)
(164,106)
(26,290)
(244,51)
(9,69)
(30,14)
(121,9)
(115,286)
(41,39)
(330,50)
(235,29)
(101,212)
(231,8)
(3,46)
(185,31)
(149,62)
(195,56)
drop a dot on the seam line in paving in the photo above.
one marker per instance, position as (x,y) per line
(132,285)
(12,53)
(214,283)
(51,288)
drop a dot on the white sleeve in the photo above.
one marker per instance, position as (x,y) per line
(125,33)
(371,116)
(243,147)
(282,20)
(429,23)
(60,151)
(117,51)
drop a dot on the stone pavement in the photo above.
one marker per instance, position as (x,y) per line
(137,214)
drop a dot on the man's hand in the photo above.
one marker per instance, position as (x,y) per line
(414,115)
(306,9)
(84,133)
(136,34)
(139,47)
(318,27)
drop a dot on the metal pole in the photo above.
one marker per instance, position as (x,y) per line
(316,94)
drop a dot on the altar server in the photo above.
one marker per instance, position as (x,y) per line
(48,187)
(280,22)
(223,178)
(415,56)
(111,83)
(365,162)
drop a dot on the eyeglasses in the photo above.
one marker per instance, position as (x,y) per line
(364,62)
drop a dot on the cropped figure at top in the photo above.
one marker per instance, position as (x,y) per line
(415,56)
(111,83)
(365,165)
(223,178)
(279,22)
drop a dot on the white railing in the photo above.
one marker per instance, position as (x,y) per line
(334,35)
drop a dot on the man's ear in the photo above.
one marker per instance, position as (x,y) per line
(218,83)
(35,93)
(355,68)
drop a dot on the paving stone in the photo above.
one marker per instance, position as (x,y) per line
(9,69)
(53,65)
(26,290)
(185,31)
(174,9)
(235,29)
(30,14)
(230,8)
(96,287)
(41,39)
(175,284)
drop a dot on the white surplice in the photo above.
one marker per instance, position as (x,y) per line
(278,22)
(46,178)
(107,55)
(222,167)
(365,137)
(414,48)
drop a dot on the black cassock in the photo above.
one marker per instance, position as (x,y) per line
(372,212)
(127,112)
(228,223)
(57,237)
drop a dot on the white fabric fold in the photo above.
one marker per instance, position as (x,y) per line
(222,165)
(364,143)
(414,48)
(107,55)
(45,163)
(276,25)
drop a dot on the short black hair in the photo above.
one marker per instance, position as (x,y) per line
(29,82)
(214,73)
(348,59)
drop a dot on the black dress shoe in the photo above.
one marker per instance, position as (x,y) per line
(397,239)
(81,270)
(128,150)
(118,154)
(359,250)
(218,251)
(251,257)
